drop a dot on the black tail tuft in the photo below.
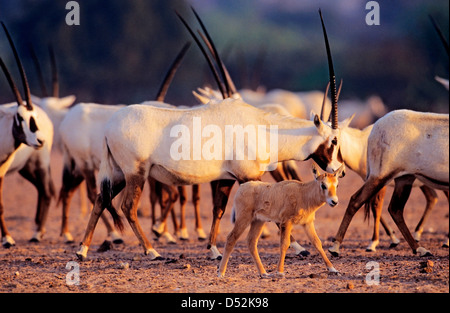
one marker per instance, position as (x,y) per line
(106,194)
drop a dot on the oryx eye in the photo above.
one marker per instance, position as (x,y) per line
(334,141)
(323,186)
(33,126)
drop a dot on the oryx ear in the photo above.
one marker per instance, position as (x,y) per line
(317,122)
(63,103)
(340,172)
(315,171)
(347,121)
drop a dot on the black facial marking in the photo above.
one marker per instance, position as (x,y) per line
(323,155)
(334,141)
(33,126)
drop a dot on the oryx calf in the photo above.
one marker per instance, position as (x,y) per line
(286,203)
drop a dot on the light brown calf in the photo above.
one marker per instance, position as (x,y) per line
(285,203)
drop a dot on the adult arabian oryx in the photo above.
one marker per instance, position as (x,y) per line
(403,146)
(143,140)
(24,128)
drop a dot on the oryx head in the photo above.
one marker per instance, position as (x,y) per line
(328,184)
(25,128)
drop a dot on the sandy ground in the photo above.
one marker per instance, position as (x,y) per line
(45,266)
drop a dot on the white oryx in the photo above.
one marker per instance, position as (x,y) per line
(403,146)
(354,155)
(25,128)
(83,149)
(144,140)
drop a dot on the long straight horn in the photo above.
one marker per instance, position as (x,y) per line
(208,59)
(231,89)
(161,95)
(337,95)
(216,54)
(55,80)
(11,83)
(334,107)
(26,87)
(439,31)
(37,66)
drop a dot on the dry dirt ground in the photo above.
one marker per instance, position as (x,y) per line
(44,267)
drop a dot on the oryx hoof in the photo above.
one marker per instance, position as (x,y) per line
(334,250)
(423,252)
(304,253)
(105,246)
(184,235)
(201,236)
(265,276)
(37,237)
(334,253)
(8,242)
(153,255)
(82,253)
(215,254)
(333,272)
(68,238)
(393,245)
(277,275)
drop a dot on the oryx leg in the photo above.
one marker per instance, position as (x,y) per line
(376,205)
(371,187)
(167,199)
(91,187)
(402,190)
(183,200)
(96,212)
(198,220)
(253,235)
(221,191)
(41,179)
(285,241)
(312,235)
(299,250)
(71,179)
(82,190)
(7,240)
(153,197)
(238,228)
(132,193)
(432,198)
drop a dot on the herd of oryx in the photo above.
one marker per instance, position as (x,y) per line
(119,148)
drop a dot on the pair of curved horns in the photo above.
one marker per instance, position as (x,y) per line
(14,89)
(334,96)
(226,89)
